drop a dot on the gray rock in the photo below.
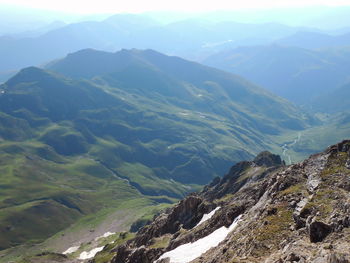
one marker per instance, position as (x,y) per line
(333,258)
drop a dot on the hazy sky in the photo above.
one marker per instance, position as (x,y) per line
(135,6)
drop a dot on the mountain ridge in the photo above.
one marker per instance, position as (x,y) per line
(191,72)
(284,213)
(298,74)
(138,131)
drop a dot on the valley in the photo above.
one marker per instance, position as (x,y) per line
(128,139)
(100,141)
(108,140)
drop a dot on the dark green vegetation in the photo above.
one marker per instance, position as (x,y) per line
(133,125)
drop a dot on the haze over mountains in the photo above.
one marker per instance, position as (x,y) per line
(105,122)
(298,74)
(189,38)
(192,37)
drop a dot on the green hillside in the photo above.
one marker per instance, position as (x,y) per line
(119,127)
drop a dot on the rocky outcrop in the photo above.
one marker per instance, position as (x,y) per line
(184,215)
(242,173)
(139,254)
(297,213)
(268,159)
(318,231)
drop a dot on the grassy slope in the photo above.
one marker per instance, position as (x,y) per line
(72,149)
(334,128)
(53,173)
(86,231)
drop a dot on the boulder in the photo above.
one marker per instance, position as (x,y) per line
(318,231)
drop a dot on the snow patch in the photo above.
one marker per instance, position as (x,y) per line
(208,216)
(91,253)
(107,234)
(70,250)
(190,251)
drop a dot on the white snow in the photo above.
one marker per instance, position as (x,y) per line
(90,254)
(107,234)
(207,216)
(70,250)
(190,251)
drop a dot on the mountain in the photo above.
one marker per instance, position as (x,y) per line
(260,211)
(111,34)
(39,31)
(334,101)
(4,76)
(48,180)
(192,38)
(195,93)
(315,40)
(186,84)
(123,133)
(297,74)
(196,38)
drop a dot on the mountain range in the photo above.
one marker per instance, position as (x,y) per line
(97,131)
(298,74)
(334,101)
(315,40)
(192,38)
(259,211)
(189,155)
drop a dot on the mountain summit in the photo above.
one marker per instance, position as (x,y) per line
(185,82)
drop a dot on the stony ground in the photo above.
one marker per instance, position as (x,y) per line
(297,213)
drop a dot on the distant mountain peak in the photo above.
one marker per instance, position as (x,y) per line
(29,74)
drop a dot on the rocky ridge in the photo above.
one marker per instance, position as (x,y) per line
(296,213)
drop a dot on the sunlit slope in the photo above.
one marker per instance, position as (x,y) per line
(124,126)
